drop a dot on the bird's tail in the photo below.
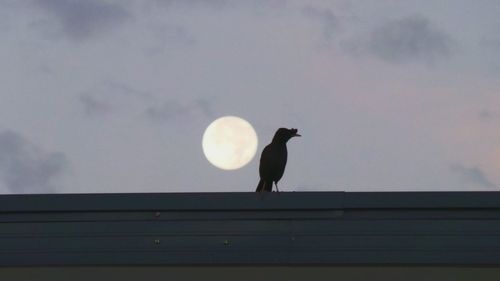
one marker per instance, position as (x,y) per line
(260,186)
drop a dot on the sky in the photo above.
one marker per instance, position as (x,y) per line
(114,96)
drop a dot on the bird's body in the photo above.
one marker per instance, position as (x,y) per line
(273,160)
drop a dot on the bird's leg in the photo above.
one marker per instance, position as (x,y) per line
(276,186)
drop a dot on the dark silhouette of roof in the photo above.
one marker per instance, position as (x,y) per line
(299,228)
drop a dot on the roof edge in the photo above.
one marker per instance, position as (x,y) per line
(225,201)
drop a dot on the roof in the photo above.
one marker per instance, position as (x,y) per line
(300,228)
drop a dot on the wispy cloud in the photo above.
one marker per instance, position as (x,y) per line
(488,115)
(174,110)
(193,3)
(410,39)
(492,40)
(328,20)
(123,89)
(27,168)
(471,175)
(169,36)
(81,19)
(413,38)
(93,106)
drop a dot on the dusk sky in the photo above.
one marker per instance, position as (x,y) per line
(114,96)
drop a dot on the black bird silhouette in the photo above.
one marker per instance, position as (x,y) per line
(273,159)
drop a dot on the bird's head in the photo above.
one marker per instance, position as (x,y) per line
(283,135)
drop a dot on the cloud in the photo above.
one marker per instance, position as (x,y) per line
(413,38)
(327,19)
(82,19)
(122,89)
(492,41)
(109,96)
(110,93)
(487,115)
(173,110)
(220,4)
(191,3)
(93,106)
(25,167)
(168,37)
(471,175)
(405,40)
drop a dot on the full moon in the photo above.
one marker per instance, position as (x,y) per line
(229,143)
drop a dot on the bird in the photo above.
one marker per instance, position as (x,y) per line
(273,160)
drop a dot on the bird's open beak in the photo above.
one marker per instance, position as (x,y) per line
(297,135)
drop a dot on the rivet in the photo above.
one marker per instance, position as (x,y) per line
(157,214)
(157,241)
(227,242)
